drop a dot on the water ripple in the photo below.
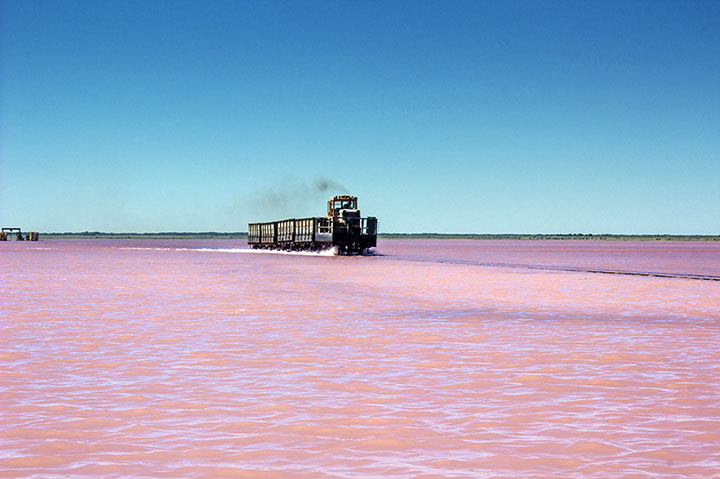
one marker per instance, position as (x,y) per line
(142,359)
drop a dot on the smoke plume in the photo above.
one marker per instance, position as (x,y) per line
(295,199)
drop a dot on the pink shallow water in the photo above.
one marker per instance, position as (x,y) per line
(438,359)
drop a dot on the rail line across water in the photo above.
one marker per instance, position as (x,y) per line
(331,252)
(568,269)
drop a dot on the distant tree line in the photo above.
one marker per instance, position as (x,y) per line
(161,235)
(439,236)
(553,236)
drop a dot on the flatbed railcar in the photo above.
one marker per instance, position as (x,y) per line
(343,228)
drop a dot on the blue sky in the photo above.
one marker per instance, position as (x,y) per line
(447,116)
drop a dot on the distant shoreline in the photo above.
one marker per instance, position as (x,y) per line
(392,236)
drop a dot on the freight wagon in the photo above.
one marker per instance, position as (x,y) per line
(343,228)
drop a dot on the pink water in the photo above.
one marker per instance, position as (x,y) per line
(470,359)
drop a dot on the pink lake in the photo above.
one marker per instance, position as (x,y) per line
(432,359)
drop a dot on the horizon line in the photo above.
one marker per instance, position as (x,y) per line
(526,234)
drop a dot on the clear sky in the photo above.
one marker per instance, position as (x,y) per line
(442,116)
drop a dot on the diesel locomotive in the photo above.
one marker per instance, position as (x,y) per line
(342,228)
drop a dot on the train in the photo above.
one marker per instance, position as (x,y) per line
(343,228)
(6,233)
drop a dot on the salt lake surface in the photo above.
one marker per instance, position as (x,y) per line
(433,359)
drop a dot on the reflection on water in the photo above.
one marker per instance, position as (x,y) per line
(432,359)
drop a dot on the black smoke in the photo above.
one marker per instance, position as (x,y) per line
(294,199)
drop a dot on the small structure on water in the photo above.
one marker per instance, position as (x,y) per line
(19,236)
(343,227)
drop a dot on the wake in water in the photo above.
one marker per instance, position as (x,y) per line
(328,252)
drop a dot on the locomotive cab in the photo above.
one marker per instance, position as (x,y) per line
(351,232)
(337,204)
